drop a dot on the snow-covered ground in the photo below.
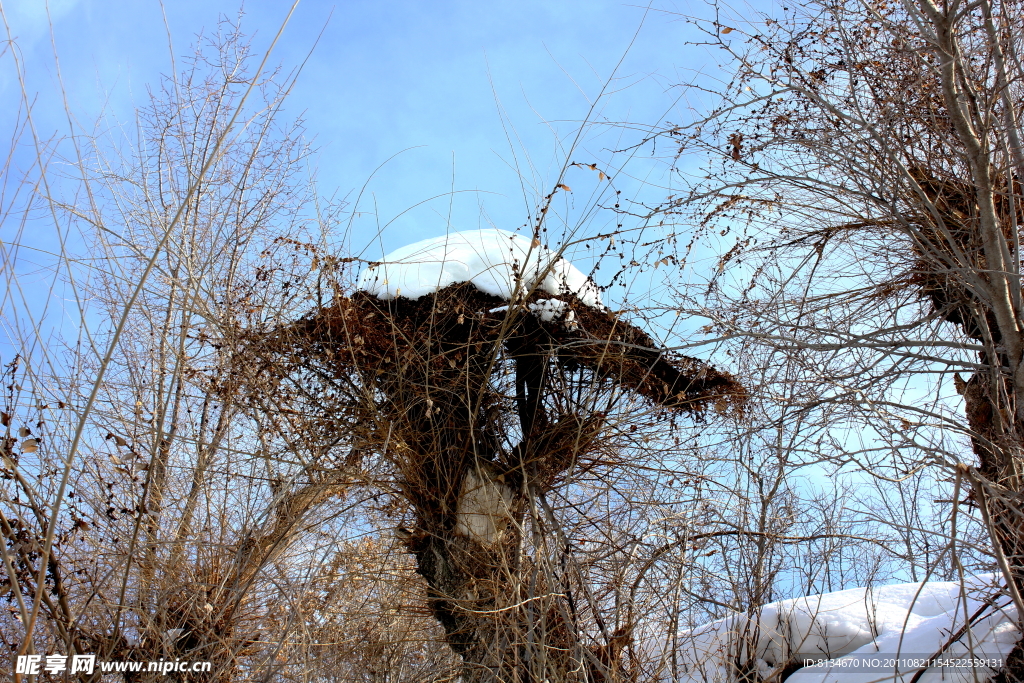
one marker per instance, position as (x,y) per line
(490,259)
(865,635)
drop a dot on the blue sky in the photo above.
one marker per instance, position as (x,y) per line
(388,76)
(447,81)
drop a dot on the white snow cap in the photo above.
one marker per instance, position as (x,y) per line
(490,259)
(863,631)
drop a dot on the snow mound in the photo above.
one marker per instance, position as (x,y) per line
(493,260)
(862,635)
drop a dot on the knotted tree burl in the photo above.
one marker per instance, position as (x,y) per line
(480,407)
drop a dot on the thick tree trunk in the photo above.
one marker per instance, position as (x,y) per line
(464,583)
(503,628)
(997,491)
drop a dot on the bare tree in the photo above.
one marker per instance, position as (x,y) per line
(867,158)
(479,409)
(145,516)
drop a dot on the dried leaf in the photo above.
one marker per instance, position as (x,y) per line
(565,187)
(601,175)
(29,446)
(726,29)
(24,431)
(736,140)
(5,419)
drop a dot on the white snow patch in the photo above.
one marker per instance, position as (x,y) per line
(553,309)
(864,632)
(490,259)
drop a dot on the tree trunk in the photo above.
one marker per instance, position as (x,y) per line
(997,443)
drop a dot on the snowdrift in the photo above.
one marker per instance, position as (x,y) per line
(862,635)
